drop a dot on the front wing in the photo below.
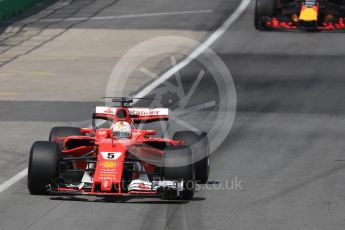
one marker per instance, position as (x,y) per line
(267,23)
(163,189)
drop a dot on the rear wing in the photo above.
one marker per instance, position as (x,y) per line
(146,114)
(137,113)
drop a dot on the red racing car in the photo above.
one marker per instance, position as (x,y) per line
(309,15)
(118,158)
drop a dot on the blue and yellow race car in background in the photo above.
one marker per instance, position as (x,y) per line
(310,15)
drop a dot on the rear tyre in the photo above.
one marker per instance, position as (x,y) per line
(64,132)
(178,166)
(200,148)
(43,166)
(264,8)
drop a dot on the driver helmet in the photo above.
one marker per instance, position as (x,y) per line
(122,129)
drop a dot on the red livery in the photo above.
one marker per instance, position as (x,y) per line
(118,157)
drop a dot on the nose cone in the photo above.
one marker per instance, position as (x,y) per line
(309,14)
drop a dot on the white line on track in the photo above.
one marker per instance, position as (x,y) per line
(213,38)
(129,16)
(13,180)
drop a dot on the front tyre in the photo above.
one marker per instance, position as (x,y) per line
(201,153)
(178,166)
(264,8)
(43,166)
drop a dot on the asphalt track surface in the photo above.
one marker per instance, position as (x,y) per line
(285,145)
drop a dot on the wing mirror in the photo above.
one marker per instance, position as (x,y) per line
(86,130)
(149,132)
